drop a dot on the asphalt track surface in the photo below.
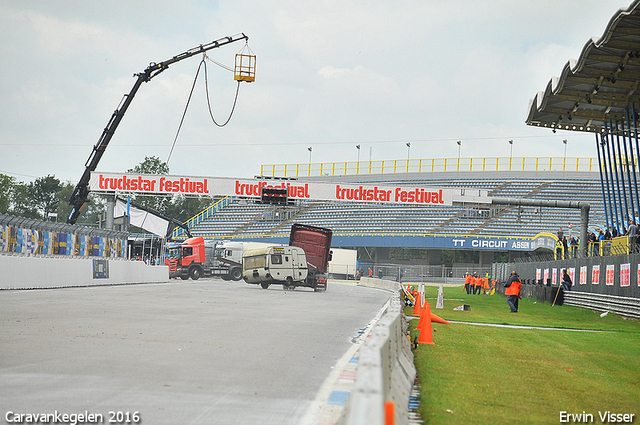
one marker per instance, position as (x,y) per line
(205,352)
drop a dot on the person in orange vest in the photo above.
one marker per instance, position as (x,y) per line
(370,272)
(467,283)
(512,291)
(477,282)
(485,284)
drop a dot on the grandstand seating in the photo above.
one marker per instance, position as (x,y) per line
(245,218)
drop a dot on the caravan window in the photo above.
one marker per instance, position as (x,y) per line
(255,262)
(276,259)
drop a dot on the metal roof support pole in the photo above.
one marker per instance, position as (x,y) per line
(583,206)
(614,164)
(614,207)
(619,162)
(607,194)
(626,140)
(633,158)
(602,179)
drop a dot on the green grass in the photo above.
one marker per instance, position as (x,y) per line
(489,375)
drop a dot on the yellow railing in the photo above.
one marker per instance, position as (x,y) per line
(429,166)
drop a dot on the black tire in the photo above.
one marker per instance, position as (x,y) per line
(288,285)
(265,285)
(195,273)
(183,277)
(236,274)
(316,289)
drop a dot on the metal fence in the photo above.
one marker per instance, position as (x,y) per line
(615,275)
(423,273)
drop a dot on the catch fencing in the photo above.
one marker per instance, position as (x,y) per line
(423,273)
(617,275)
(609,283)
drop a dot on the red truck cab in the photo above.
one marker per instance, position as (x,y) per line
(189,260)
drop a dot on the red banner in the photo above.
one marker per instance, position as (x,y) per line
(163,184)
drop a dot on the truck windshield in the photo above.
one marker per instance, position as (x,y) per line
(174,253)
(255,262)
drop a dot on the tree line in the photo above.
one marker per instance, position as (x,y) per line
(48,195)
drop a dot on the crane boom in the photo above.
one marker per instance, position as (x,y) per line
(81,192)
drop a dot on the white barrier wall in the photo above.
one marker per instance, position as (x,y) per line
(22,272)
(385,369)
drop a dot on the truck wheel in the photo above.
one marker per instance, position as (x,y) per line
(316,289)
(236,274)
(183,277)
(265,285)
(195,273)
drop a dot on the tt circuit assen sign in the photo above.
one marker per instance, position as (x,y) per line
(163,184)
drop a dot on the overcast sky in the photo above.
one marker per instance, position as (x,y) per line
(330,75)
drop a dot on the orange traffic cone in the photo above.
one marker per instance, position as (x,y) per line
(426,333)
(438,319)
(417,306)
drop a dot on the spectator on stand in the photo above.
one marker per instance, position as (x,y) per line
(559,248)
(632,234)
(573,247)
(592,244)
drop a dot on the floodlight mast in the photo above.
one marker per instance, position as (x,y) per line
(81,192)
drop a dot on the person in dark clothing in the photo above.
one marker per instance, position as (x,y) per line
(566,280)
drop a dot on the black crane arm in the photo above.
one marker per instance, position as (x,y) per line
(81,192)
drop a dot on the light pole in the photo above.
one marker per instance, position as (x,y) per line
(358,162)
(408,154)
(309,149)
(510,153)
(564,160)
(459,142)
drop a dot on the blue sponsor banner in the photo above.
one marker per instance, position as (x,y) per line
(478,243)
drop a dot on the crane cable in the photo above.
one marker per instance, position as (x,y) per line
(184,114)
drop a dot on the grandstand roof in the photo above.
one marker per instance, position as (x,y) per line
(600,85)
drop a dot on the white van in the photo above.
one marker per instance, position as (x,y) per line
(286,265)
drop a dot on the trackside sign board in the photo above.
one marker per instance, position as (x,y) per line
(251,188)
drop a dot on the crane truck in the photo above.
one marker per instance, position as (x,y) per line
(302,263)
(80,194)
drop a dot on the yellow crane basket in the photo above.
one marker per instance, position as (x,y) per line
(245,68)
